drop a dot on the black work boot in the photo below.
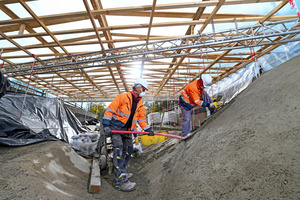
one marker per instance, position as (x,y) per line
(126,187)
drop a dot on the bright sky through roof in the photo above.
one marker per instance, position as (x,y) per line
(135,71)
(46,7)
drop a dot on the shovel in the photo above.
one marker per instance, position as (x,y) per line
(146,133)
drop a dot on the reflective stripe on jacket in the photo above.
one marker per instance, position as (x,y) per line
(118,112)
(191,95)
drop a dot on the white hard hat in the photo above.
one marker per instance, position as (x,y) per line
(141,81)
(207,79)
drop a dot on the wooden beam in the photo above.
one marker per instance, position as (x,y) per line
(132,26)
(2,2)
(27,27)
(148,34)
(211,16)
(93,23)
(102,21)
(276,9)
(69,82)
(11,14)
(48,19)
(42,24)
(151,19)
(197,16)
(104,79)
(54,38)
(176,6)
(79,16)
(22,29)
(94,84)
(15,43)
(95,179)
(188,15)
(107,34)
(218,6)
(113,11)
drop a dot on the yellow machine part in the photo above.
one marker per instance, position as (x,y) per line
(218,104)
(148,140)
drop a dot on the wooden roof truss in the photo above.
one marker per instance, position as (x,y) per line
(167,61)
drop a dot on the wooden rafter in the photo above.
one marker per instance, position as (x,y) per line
(42,24)
(107,81)
(218,6)
(260,21)
(78,16)
(54,38)
(107,34)
(134,26)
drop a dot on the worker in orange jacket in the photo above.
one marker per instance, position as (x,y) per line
(191,96)
(124,113)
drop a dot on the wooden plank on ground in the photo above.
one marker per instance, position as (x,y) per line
(95,179)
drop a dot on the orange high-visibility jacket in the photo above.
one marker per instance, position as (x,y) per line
(118,112)
(192,93)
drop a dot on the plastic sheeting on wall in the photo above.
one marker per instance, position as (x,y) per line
(154,118)
(42,119)
(230,87)
(171,117)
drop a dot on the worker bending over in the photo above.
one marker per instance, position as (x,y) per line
(191,96)
(124,112)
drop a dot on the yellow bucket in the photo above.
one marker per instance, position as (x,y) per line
(148,140)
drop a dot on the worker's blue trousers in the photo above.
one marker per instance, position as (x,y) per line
(122,150)
(186,122)
(186,115)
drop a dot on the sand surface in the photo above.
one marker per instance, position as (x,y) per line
(250,149)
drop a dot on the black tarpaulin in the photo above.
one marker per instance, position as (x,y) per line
(4,84)
(42,119)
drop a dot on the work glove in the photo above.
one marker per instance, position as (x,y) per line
(205,104)
(212,108)
(151,133)
(107,131)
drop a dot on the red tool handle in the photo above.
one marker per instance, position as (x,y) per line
(146,133)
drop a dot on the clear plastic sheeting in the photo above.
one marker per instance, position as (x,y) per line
(280,55)
(171,117)
(85,144)
(42,119)
(230,87)
(154,118)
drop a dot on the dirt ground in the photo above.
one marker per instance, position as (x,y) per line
(248,150)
